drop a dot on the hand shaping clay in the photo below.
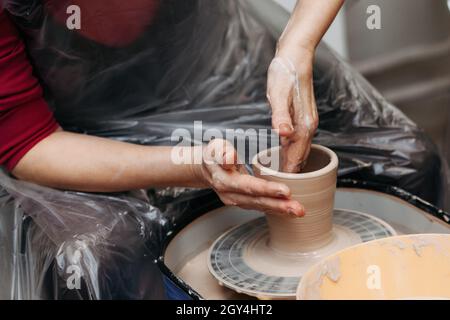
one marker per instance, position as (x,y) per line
(267,257)
(314,188)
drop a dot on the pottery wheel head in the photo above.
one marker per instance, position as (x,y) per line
(242,259)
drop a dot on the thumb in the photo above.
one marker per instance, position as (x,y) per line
(281,118)
(229,157)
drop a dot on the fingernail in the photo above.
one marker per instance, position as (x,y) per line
(296,213)
(292,213)
(301,211)
(228,162)
(286,127)
(282,193)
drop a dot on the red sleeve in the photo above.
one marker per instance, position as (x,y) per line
(25,118)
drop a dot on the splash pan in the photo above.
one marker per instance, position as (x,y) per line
(241,259)
(405,267)
(186,254)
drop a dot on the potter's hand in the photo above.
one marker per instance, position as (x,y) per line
(290,88)
(236,187)
(294,112)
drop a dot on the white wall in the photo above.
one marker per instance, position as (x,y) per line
(336,37)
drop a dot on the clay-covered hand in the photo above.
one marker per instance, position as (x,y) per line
(294,113)
(231,181)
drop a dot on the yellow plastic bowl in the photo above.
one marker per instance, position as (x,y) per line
(402,267)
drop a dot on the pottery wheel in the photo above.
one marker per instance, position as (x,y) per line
(242,260)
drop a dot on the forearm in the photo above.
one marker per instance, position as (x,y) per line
(85,163)
(308,23)
(290,88)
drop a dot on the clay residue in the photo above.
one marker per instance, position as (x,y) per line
(418,248)
(419,243)
(394,246)
(333,269)
(330,269)
(398,243)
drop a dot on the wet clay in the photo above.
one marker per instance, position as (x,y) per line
(261,257)
(196,272)
(266,257)
(242,259)
(314,188)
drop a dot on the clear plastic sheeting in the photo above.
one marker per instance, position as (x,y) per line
(66,245)
(198,60)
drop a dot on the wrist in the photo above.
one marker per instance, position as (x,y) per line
(196,167)
(302,57)
(295,44)
(302,60)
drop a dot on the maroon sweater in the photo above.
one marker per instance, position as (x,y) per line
(25,118)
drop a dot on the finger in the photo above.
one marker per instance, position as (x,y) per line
(281,117)
(265,204)
(279,93)
(296,156)
(234,181)
(249,185)
(309,99)
(220,152)
(296,153)
(229,157)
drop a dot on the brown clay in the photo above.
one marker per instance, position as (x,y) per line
(267,260)
(314,188)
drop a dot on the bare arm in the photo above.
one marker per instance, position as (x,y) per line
(308,23)
(86,163)
(290,89)
(31,149)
